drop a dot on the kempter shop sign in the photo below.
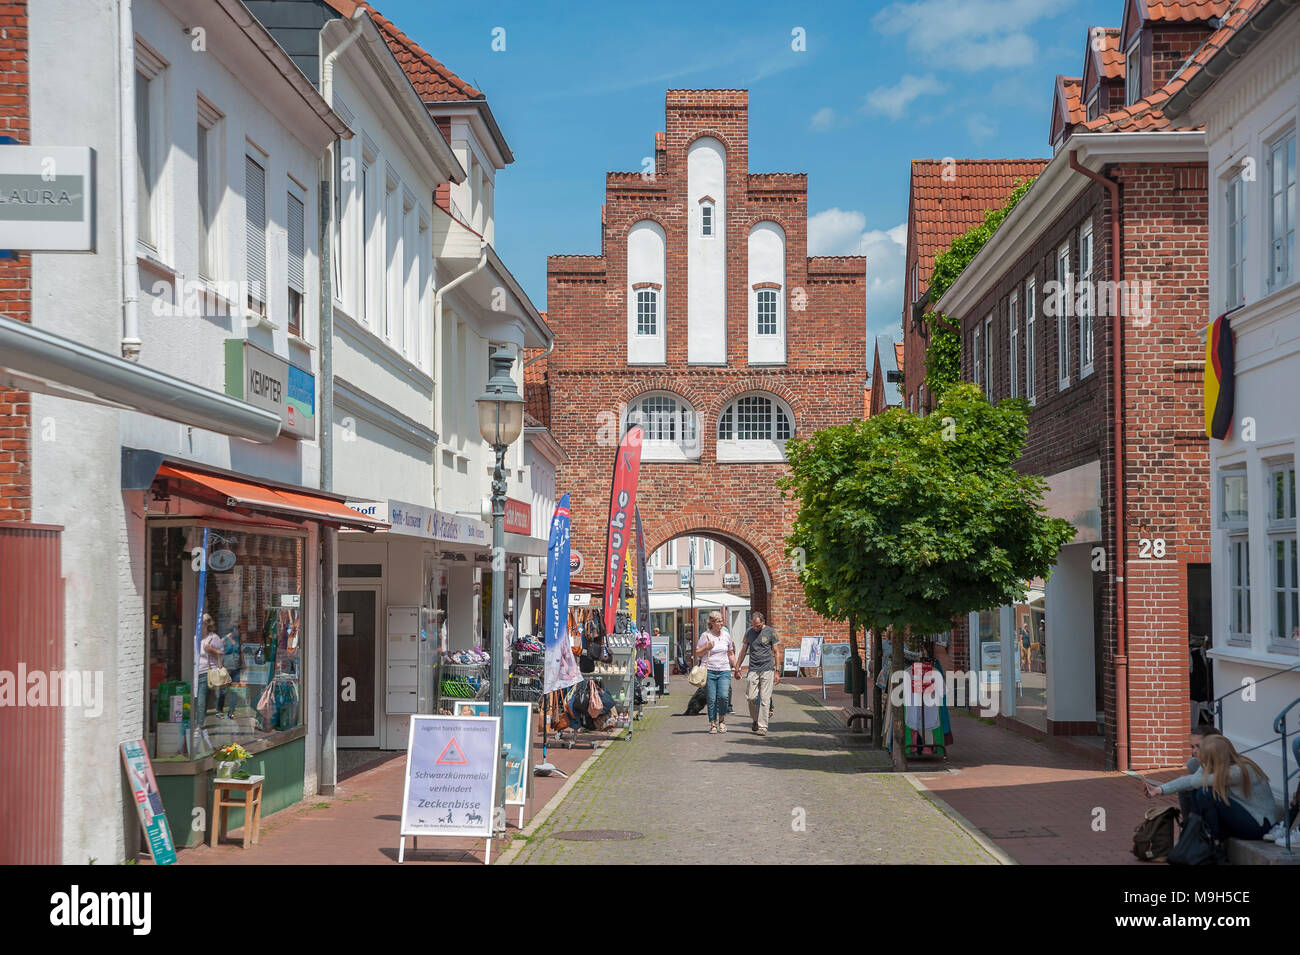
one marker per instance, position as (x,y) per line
(269,381)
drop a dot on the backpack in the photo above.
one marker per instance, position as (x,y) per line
(1196,845)
(1154,838)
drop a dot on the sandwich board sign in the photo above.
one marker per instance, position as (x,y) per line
(451,770)
(518,717)
(835,656)
(148,801)
(810,652)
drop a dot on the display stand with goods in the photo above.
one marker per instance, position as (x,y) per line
(527,670)
(927,725)
(460,675)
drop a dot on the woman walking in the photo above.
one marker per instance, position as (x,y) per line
(718,653)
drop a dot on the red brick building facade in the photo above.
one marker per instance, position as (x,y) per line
(15,272)
(769,344)
(1018,341)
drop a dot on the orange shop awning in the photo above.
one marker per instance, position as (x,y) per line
(274,500)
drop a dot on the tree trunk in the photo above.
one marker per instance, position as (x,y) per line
(877,707)
(857,668)
(896,665)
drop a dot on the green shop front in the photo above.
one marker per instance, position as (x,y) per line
(234,591)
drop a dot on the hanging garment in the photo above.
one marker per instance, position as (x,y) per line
(923,711)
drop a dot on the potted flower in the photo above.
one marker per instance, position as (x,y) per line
(229,758)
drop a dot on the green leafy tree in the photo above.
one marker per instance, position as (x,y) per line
(907,521)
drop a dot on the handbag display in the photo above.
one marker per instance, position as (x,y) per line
(218,677)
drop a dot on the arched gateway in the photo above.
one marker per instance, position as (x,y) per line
(705,321)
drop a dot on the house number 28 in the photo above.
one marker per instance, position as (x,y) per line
(1151,547)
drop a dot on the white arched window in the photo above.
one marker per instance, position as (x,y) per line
(754,428)
(767,294)
(671,428)
(646,246)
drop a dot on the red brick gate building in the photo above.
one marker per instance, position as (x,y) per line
(704,320)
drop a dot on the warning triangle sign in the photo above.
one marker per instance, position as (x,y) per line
(452,755)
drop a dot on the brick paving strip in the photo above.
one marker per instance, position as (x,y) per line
(735,798)
(1038,804)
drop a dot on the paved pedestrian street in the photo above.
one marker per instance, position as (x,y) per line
(807,793)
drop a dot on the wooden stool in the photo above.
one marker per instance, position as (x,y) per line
(251,804)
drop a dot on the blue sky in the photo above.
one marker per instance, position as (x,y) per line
(579,90)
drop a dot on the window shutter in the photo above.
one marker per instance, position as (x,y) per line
(297,242)
(255,226)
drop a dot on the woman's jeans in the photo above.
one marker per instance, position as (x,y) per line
(719,693)
(1230,819)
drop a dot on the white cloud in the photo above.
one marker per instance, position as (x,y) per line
(968,35)
(980,127)
(822,120)
(893,101)
(844,232)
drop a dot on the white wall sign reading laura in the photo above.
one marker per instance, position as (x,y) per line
(47,198)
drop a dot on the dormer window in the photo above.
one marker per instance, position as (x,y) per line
(1133,72)
(1092,106)
(707,217)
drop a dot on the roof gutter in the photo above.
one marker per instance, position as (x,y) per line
(1246,36)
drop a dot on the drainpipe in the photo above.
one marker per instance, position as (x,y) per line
(1117,398)
(327,778)
(437,354)
(126,160)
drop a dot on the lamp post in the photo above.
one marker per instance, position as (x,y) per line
(500,420)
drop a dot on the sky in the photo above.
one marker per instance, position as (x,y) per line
(578,90)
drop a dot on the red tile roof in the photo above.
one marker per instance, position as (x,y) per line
(940,209)
(1183,11)
(433,81)
(1108,59)
(1068,100)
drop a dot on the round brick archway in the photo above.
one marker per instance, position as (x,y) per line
(755,563)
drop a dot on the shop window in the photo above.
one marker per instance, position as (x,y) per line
(244,593)
(1285,633)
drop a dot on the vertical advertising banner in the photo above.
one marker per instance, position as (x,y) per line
(622,504)
(642,579)
(561,668)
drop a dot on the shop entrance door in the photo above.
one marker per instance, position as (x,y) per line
(357,666)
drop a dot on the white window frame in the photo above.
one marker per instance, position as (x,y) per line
(152,200)
(665,557)
(685,425)
(1087,300)
(1234,245)
(775,299)
(424,310)
(211,162)
(708,220)
(1133,71)
(410,277)
(1281,261)
(735,449)
(1281,532)
(703,552)
(370,228)
(298,194)
(977,353)
(1237,613)
(1031,352)
(653,293)
(392,262)
(731,563)
(1013,336)
(255,305)
(988,357)
(1062,318)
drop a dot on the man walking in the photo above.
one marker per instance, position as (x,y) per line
(766,657)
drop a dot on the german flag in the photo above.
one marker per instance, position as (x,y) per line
(1219,386)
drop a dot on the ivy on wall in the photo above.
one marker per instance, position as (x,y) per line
(943,353)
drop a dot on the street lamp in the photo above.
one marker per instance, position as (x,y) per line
(500,420)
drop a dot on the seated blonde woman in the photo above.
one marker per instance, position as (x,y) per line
(1230,792)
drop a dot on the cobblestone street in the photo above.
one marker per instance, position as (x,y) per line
(736,798)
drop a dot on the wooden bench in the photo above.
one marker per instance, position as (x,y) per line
(858,714)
